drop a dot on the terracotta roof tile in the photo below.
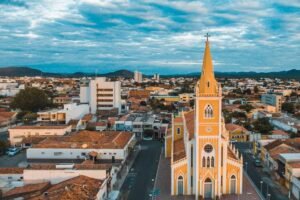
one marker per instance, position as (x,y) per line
(88,139)
(234,127)
(178,119)
(190,123)
(179,150)
(27,189)
(11,170)
(294,165)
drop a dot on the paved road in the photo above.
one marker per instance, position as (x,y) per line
(6,161)
(140,179)
(257,175)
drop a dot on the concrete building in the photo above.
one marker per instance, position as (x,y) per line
(71,111)
(110,146)
(272,101)
(156,77)
(138,77)
(101,95)
(18,133)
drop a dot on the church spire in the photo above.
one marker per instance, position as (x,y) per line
(208,84)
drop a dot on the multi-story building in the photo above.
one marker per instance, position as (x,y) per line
(203,163)
(138,77)
(272,101)
(101,95)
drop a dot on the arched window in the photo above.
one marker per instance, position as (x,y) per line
(233,184)
(208,111)
(212,162)
(208,84)
(208,162)
(203,161)
(180,185)
(178,131)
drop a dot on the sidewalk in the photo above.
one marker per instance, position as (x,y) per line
(163,183)
(125,169)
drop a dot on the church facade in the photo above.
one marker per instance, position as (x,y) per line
(203,162)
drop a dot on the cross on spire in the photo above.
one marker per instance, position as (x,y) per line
(207,36)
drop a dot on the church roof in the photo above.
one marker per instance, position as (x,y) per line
(208,84)
(231,154)
(190,123)
(179,150)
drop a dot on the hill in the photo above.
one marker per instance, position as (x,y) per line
(27,71)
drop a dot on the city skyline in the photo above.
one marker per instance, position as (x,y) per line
(149,36)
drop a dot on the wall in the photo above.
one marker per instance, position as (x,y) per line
(16,135)
(56,175)
(47,153)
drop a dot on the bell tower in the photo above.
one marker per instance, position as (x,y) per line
(208,104)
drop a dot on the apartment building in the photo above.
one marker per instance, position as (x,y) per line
(272,101)
(102,95)
(138,77)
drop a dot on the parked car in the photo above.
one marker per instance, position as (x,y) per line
(257,163)
(13,151)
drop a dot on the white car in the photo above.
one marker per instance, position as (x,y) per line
(13,151)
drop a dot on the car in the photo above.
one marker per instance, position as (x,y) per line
(257,163)
(13,151)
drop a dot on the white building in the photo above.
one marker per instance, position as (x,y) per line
(111,146)
(63,116)
(101,95)
(18,133)
(138,77)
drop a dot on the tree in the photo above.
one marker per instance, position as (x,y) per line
(246,107)
(263,126)
(288,107)
(30,99)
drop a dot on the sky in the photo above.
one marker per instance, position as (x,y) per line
(152,36)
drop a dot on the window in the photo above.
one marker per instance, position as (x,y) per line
(208,148)
(57,153)
(191,156)
(178,131)
(203,162)
(208,84)
(208,112)
(208,162)
(212,161)
(83,154)
(180,185)
(222,156)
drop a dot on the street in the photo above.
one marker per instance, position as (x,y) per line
(13,161)
(140,179)
(257,175)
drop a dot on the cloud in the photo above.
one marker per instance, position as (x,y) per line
(151,35)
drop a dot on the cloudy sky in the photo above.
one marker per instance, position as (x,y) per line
(149,35)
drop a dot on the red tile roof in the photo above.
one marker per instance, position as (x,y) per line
(179,150)
(190,123)
(88,139)
(11,170)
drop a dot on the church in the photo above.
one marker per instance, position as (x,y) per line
(203,161)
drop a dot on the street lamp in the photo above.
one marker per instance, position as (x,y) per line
(269,196)
(261,184)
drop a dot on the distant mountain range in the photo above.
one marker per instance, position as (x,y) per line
(27,71)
